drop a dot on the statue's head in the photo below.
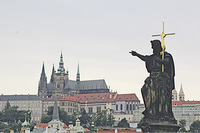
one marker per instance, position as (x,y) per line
(156,46)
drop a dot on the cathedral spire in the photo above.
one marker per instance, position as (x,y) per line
(52,75)
(43,70)
(78,74)
(42,87)
(61,68)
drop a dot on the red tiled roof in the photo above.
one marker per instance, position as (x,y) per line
(127,97)
(96,97)
(65,126)
(85,129)
(184,102)
(42,125)
(62,98)
(68,98)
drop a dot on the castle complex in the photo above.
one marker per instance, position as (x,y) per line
(62,85)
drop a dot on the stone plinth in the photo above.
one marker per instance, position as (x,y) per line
(161,127)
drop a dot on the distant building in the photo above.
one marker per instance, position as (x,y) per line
(66,103)
(92,103)
(126,103)
(61,83)
(24,102)
(186,110)
(120,105)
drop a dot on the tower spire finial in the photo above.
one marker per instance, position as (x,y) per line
(61,68)
(43,70)
(52,75)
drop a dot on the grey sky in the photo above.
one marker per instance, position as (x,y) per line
(98,34)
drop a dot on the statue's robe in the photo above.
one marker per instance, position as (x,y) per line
(157,90)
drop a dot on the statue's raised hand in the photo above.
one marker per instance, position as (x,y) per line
(134,53)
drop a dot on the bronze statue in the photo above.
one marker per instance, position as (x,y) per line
(157,89)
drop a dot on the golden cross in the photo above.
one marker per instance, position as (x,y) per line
(162,35)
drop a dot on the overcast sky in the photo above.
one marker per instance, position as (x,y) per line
(97,34)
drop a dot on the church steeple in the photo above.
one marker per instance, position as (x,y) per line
(52,75)
(55,110)
(78,74)
(61,68)
(55,122)
(181,94)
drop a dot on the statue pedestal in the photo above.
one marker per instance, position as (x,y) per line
(162,127)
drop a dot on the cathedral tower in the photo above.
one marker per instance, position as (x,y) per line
(60,78)
(42,87)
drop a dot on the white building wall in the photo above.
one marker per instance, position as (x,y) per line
(35,106)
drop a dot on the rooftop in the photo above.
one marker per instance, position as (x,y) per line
(127,97)
(184,102)
(19,97)
(96,97)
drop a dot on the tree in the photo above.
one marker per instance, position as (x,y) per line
(104,118)
(84,119)
(45,118)
(2,126)
(111,120)
(99,119)
(11,114)
(195,126)
(182,124)
(123,123)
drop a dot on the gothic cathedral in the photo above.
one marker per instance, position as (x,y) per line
(62,85)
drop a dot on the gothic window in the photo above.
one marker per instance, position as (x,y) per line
(130,106)
(126,106)
(121,107)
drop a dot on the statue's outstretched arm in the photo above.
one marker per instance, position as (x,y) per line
(142,57)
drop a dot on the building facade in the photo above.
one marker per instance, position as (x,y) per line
(24,102)
(66,103)
(62,85)
(93,103)
(186,110)
(126,103)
